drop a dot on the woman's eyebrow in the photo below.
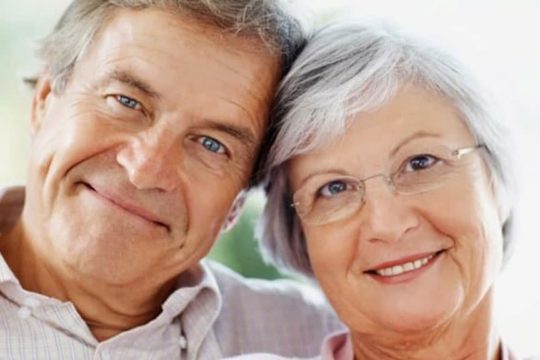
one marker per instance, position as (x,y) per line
(333,171)
(416,135)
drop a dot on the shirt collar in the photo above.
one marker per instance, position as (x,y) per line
(337,346)
(197,303)
(190,285)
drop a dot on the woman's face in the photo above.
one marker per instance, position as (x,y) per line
(403,262)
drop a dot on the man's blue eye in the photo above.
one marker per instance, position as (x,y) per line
(212,145)
(128,102)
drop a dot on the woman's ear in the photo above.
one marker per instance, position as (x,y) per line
(235,211)
(42,94)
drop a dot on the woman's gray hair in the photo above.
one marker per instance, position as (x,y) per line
(264,20)
(349,68)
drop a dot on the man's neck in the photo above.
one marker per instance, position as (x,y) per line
(471,338)
(107,309)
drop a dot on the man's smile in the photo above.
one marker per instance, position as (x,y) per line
(119,202)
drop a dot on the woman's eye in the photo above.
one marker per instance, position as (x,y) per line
(333,188)
(128,102)
(420,162)
(212,145)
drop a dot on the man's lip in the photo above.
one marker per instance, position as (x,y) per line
(402,260)
(126,205)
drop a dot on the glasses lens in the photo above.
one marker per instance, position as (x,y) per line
(327,198)
(425,170)
(320,202)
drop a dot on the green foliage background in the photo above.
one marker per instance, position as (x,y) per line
(239,249)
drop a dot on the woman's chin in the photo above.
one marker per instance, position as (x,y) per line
(418,320)
(420,308)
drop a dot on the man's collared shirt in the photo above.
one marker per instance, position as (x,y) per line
(216,315)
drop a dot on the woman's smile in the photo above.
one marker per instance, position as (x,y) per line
(404,270)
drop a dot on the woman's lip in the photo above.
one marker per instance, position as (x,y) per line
(402,260)
(125,205)
(409,275)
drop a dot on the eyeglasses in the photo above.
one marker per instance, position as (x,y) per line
(324,199)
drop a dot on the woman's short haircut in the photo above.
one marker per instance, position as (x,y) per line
(350,68)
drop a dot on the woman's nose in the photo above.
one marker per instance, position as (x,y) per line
(385,215)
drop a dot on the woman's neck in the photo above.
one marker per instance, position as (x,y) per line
(471,337)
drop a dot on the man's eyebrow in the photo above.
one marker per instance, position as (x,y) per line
(242,133)
(130,80)
(418,134)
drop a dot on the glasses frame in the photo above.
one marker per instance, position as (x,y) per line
(456,153)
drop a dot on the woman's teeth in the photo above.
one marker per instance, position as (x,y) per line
(403,268)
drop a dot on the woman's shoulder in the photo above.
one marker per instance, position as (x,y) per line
(265,356)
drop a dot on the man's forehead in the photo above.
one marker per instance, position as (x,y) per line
(172,60)
(134,32)
(136,23)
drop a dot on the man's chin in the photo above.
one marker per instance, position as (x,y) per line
(110,269)
(111,254)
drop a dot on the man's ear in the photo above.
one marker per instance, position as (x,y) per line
(235,211)
(42,93)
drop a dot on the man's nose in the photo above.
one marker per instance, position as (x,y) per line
(152,161)
(385,215)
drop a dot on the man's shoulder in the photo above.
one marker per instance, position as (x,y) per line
(234,286)
(282,317)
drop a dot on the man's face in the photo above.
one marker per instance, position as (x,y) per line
(136,163)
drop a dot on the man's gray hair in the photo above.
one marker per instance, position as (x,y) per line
(350,68)
(266,20)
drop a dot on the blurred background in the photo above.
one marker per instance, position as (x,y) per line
(496,38)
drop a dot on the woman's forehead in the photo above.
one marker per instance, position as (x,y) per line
(412,111)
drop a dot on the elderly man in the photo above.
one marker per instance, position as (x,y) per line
(146,121)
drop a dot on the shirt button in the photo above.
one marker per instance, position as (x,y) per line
(31,302)
(24,312)
(183,342)
(106,355)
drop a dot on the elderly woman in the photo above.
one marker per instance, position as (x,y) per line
(391,183)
